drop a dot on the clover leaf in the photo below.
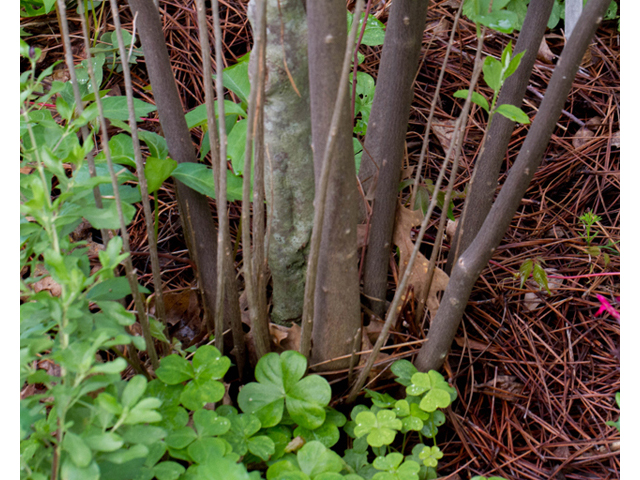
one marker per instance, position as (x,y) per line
(314,459)
(382,400)
(280,384)
(439,393)
(404,370)
(430,456)
(208,367)
(328,433)
(243,427)
(380,429)
(394,469)
(426,473)
(436,419)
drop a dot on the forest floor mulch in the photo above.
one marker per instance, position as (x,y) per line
(536,373)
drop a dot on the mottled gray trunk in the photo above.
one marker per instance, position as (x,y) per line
(289,178)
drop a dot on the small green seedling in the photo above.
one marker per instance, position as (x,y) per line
(539,273)
(617,422)
(495,73)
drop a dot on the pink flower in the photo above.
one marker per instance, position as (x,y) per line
(605,306)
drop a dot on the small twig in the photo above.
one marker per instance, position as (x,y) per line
(148,214)
(425,141)
(130,272)
(395,307)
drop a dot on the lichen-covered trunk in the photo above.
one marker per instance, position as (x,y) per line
(289,177)
(337,301)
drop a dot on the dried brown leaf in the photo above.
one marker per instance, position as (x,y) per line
(443,129)
(582,137)
(544,52)
(442,27)
(46,283)
(405,221)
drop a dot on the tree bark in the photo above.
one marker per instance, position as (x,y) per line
(289,179)
(198,226)
(487,168)
(474,259)
(384,144)
(337,306)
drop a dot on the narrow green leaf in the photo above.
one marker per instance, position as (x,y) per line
(492,71)
(475,98)
(540,277)
(513,113)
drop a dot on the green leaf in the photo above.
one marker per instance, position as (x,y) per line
(513,65)
(209,364)
(133,390)
(70,471)
(236,144)
(373,31)
(104,442)
(540,277)
(380,429)
(262,447)
(314,459)
(492,71)
(174,369)
(243,427)
(475,98)
(168,470)
(107,216)
(121,150)
(122,456)
(204,448)
(404,370)
(77,449)
(157,170)
(279,379)
(198,393)
(236,79)
(198,116)
(430,456)
(382,400)
(112,289)
(115,108)
(513,113)
(208,423)
(200,178)
(524,271)
(180,438)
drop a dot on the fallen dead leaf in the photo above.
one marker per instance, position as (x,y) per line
(451,228)
(471,344)
(505,387)
(362,235)
(544,52)
(285,338)
(532,299)
(443,129)
(615,139)
(46,283)
(582,137)
(441,28)
(180,306)
(376,370)
(373,329)
(405,220)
